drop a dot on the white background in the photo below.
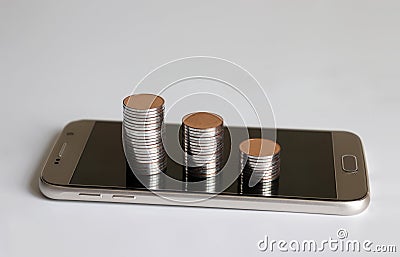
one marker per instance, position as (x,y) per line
(324,65)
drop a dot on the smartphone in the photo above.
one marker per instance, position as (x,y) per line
(321,172)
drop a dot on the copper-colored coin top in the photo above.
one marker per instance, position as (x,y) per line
(259,147)
(144,101)
(202,120)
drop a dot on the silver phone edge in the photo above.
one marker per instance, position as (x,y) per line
(344,208)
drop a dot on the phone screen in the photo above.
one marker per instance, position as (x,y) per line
(306,168)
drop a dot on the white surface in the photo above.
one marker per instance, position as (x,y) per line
(324,64)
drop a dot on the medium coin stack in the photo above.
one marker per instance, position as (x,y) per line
(203,138)
(260,161)
(143,129)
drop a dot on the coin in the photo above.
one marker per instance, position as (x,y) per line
(143,102)
(203,121)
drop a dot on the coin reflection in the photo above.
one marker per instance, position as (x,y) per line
(207,185)
(264,187)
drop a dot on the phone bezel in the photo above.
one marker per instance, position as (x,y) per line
(349,186)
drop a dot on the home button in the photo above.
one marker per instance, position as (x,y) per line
(349,163)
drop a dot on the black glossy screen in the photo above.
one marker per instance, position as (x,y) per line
(307,168)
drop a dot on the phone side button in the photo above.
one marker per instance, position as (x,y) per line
(349,163)
(90,195)
(130,197)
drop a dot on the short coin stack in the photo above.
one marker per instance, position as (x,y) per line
(260,161)
(203,138)
(143,129)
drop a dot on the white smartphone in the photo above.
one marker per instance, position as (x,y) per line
(321,172)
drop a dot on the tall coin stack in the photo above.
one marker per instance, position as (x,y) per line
(143,129)
(203,139)
(259,162)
